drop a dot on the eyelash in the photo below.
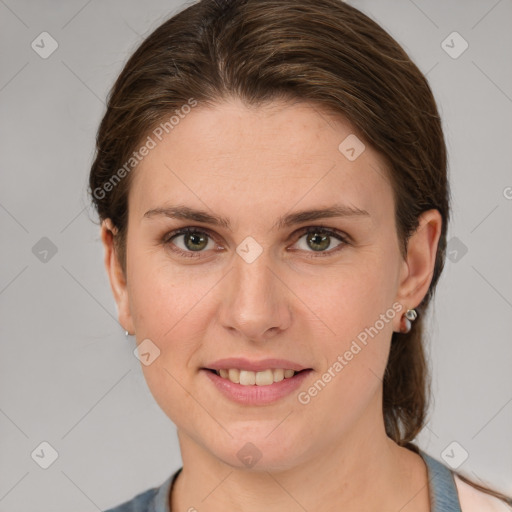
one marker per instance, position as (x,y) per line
(167,240)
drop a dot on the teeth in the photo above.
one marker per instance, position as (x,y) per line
(234,375)
(248,378)
(264,378)
(278,375)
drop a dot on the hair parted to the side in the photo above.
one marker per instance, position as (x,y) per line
(322,51)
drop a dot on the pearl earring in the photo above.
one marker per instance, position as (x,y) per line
(410,316)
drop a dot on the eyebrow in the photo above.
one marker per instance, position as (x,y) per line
(192,214)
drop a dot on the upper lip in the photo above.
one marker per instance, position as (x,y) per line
(241,363)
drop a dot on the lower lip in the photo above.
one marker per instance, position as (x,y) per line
(257,395)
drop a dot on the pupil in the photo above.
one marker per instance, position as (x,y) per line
(195,238)
(319,240)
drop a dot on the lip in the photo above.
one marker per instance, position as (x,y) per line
(241,363)
(256,395)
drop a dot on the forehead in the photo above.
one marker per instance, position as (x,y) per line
(267,158)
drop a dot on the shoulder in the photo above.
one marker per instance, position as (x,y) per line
(155,499)
(473,500)
(450,491)
(140,503)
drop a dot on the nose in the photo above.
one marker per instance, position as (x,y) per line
(257,301)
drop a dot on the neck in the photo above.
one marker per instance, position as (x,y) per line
(364,471)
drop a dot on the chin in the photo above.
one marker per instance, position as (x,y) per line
(262,450)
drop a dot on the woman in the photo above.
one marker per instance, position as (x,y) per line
(271,181)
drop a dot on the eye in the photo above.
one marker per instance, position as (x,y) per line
(190,242)
(193,241)
(318,239)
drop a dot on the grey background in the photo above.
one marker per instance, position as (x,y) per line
(69,377)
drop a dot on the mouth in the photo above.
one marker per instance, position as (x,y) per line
(256,387)
(255,378)
(255,382)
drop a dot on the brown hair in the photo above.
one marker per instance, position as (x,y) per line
(322,51)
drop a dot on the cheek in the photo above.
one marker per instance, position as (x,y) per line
(164,296)
(166,305)
(352,295)
(354,351)
(355,304)
(168,316)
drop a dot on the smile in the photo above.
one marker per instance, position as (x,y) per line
(256,387)
(250,378)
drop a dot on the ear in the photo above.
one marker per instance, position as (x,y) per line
(116,276)
(418,267)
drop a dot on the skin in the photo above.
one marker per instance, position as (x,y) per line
(253,165)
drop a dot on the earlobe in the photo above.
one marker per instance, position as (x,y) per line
(418,268)
(116,275)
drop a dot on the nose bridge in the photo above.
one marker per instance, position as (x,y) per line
(258,303)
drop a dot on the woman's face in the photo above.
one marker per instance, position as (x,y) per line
(256,286)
